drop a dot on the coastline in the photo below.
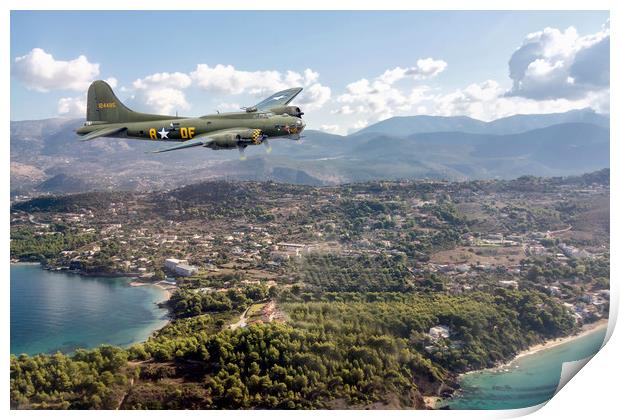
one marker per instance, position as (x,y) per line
(134,280)
(585,330)
(167,289)
(75,271)
(131,281)
(432,401)
(167,295)
(167,292)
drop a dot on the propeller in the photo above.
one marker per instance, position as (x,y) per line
(242,155)
(267,145)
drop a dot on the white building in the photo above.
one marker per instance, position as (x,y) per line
(185,270)
(171,263)
(180,267)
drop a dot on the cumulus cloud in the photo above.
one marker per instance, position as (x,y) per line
(379,98)
(40,71)
(489,101)
(72,106)
(314,97)
(426,68)
(226,79)
(164,80)
(555,64)
(162,92)
(165,100)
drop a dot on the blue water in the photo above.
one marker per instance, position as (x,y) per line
(53,311)
(527,381)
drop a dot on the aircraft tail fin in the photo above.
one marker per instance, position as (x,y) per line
(103,105)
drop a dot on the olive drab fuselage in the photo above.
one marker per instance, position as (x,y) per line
(182,128)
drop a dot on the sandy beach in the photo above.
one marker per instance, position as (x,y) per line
(167,289)
(586,329)
(137,284)
(431,401)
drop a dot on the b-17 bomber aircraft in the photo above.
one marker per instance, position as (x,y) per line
(106,116)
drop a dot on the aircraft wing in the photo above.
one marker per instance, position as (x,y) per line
(199,141)
(278,99)
(103,132)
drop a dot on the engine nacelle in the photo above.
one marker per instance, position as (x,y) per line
(233,139)
(294,111)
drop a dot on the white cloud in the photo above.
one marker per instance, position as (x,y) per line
(488,101)
(112,81)
(379,99)
(428,67)
(226,79)
(162,92)
(344,110)
(314,97)
(40,71)
(358,125)
(164,80)
(165,100)
(425,69)
(310,76)
(331,128)
(72,107)
(555,64)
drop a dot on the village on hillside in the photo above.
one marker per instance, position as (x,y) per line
(467,235)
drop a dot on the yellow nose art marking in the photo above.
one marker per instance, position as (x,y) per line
(255,136)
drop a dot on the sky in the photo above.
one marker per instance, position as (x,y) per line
(356,68)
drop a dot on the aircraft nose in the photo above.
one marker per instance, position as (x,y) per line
(300,124)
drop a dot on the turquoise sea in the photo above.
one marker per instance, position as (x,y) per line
(53,311)
(527,381)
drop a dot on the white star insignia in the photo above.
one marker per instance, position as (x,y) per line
(275,98)
(163,133)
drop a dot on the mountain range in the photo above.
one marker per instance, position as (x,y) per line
(46,155)
(509,125)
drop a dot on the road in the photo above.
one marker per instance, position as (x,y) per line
(242,320)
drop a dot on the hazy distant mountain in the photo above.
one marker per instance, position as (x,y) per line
(46,155)
(563,149)
(402,126)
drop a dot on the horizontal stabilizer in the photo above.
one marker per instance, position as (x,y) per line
(103,132)
(184,145)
